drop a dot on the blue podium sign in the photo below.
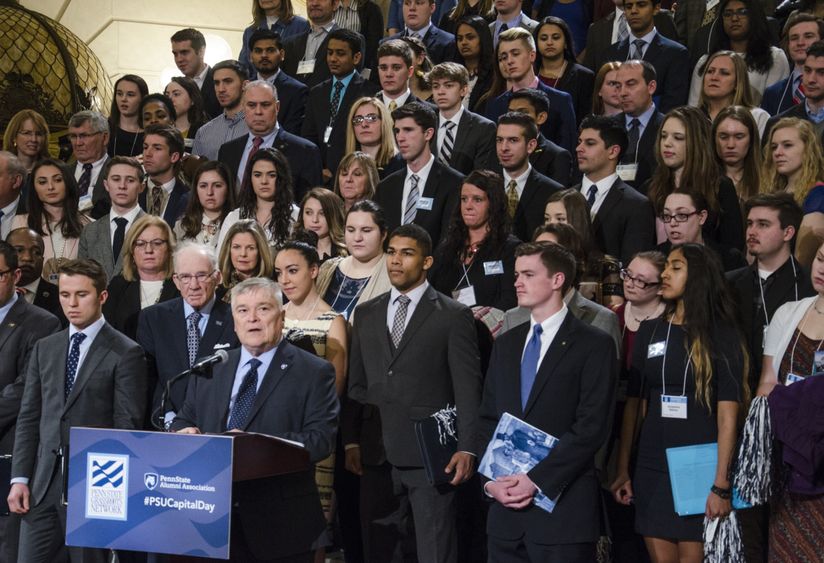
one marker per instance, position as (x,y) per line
(150,491)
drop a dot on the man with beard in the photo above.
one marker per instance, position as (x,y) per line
(229,77)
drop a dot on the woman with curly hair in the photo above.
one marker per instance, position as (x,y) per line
(266,196)
(27,137)
(321,211)
(794,163)
(725,83)
(369,130)
(737,149)
(157,109)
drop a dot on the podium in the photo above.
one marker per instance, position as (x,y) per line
(165,493)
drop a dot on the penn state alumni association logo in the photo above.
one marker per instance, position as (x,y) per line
(150,480)
(107,486)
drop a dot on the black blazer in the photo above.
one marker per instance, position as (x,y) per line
(319,114)
(122,308)
(529,215)
(210,103)
(440,45)
(474,146)
(292,97)
(371,24)
(436,363)
(295,47)
(101,203)
(482,86)
(552,161)
(444,187)
(672,69)
(47,298)
(571,399)
(303,157)
(625,222)
(646,150)
(599,37)
(579,82)
(178,200)
(161,331)
(278,516)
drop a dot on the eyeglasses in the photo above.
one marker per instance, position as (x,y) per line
(369,118)
(640,284)
(678,217)
(74,137)
(186,279)
(740,12)
(156,243)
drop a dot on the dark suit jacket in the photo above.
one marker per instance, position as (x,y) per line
(101,203)
(778,97)
(295,47)
(440,45)
(444,187)
(303,157)
(529,215)
(561,125)
(292,97)
(108,392)
(646,149)
(319,113)
(571,399)
(96,243)
(436,363)
(579,82)
(48,298)
(371,24)
(210,103)
(23,326)
(474,146)
(122,308)
(279,516)
(161,331)
(176,206)
(625,222)
(599,37)
(799,111)
(552,161)
(672,69)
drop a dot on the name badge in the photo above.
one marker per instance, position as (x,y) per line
(673,406)
(493,267)
(627,172)
(327,134)
(465,295)
(818,365)
(656,349)
(424,203)
(306,67)
(85,203)
(792,378)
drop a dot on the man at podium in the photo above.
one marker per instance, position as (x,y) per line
(270,387)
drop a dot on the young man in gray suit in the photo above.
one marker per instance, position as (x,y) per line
(86,375)
(102,240)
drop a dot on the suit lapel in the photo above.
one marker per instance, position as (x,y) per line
(97,351)
(557,350)
(511,399)
(425,308)
(530,191)
(612,199)
(176,321)
(13,318)
(225,384)
(214,329)
(462,133)
(281,363)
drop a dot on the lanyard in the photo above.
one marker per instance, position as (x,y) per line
(664,364)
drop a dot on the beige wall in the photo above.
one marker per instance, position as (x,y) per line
(132,36)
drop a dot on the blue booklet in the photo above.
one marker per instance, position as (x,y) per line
(516,448)
(692,473)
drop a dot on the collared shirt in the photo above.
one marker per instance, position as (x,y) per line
(31,290)
(533,85)
(347,17)
(604,185)
(215,133)
(643,118)
(520,181)
(243,368)
(167,191)
(400,100)
(205,313)
(551,325)
(271,20)
(414,295)
(201,77)
(271,80)
(91,333)
(647,39)
(8,217)
(422,175)
(130,217)
(420,33)
(315,38)
(345,81)
(816,116)
(615,23)
(456,119)
(268,141)
(514,22)
(4,310)
(97,166)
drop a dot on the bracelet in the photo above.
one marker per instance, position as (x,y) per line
(725,494)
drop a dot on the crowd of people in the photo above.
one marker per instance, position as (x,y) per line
(603,218)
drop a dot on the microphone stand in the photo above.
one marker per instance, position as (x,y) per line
(159,415)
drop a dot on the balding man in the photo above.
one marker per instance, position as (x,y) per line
(12,178)
(260,104)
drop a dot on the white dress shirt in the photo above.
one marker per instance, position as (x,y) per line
(414,295)
(520,181)
(456,119)
(422,175)
(551,325)
(201,77)
(603,185)
(97,166)
(399,101)
(130,217)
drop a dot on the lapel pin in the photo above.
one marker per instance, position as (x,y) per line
(219,323)
(284,366)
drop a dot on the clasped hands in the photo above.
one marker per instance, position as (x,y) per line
(512,491)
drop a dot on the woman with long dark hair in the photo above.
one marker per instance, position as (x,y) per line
(738,149)
(157,109)
(321,211)
(465,9)
(213,198)
(689,367)
(125,131)
(475,50)
(276,15)
(476,261)
(188,101)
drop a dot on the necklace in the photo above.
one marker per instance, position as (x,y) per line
(653,313)
(312,310)
(557,75)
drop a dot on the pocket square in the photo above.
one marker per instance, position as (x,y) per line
(220,346)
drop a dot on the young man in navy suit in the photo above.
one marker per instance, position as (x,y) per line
(545,373)
(166,196)
(417,20)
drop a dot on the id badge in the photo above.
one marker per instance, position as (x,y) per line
(306,67)
(627,172)
(424,203)
(85,203)
(465,296)
(327,134)
(818,365)
(673,406)
(792,378)
(656,349)
(494,267)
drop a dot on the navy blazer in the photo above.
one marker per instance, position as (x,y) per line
(292,97)
(176,206)
(561,125)
(440,45)
(552,161)
(778,97)
(672,69)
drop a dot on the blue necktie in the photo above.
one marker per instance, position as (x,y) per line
(245,397)
(72,361)
(529,364)
(593,191)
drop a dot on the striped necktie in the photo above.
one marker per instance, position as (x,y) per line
(411,208)
(448,142)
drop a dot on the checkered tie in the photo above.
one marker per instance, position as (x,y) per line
(623,30)
(411,208)
(399,323)
(512,198)
(157,200)
(245,397)
(638,49)
(72,361)
(709,15)
(335,104)
(193,336)
(448,142)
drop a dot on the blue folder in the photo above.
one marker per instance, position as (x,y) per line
(692,473)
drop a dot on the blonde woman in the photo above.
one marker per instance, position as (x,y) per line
(369,130)
(726,83)
(356,179)
(27,137)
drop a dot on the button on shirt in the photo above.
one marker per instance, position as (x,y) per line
(243,368)
(422,175)
(456,119)
(520,181)
(414,296)
(268,141)
(603,189)
(551,326)
(647,39)
(129,216)
(204,311)
(214,134)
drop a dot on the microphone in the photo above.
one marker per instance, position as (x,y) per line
(216,358)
